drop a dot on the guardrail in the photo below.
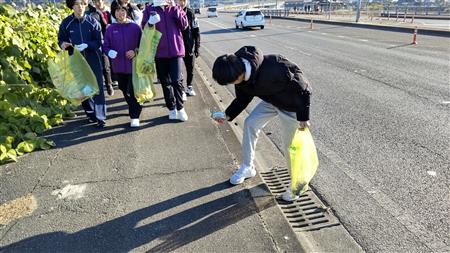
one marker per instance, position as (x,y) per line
(276,12)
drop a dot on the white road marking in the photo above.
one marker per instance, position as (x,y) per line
(70,192)
(214,24)
(363,40)
(297,50)
(324,33)
(431,173)
(446,102)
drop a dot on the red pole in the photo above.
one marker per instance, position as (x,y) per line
(414,42)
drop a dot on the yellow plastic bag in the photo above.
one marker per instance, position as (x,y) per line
(72,77)
(144,65)
(142,85)
(145,61)
(304,161)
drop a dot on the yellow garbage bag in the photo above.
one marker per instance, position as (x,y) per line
(145,60)
(142,85)
(72,77)
(303,159)
(144,65)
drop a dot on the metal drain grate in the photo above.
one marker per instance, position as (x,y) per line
(305,214)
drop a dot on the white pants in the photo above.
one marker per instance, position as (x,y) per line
(258,118)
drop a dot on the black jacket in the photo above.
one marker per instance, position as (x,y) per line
(275,80)
(97,15)
(191,36)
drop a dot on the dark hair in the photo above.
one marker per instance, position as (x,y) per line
(129,7)
(70,3)
(116,6)
(227,68)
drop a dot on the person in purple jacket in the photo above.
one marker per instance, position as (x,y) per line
(121,43)
(170,20)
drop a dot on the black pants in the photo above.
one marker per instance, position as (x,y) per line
(169,74)
(107,70)
(126,86)
(189,62)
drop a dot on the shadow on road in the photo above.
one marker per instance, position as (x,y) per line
(128,232)
(228,30)
(79,130)
(402,45)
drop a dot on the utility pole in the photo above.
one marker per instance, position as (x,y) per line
(358,11)
(329,9)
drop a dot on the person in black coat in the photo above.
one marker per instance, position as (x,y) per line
(100,5)
(98,15)
(191,39)
(283,90)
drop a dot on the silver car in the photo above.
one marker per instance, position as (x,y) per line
(250,18)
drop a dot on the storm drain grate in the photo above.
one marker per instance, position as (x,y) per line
(305,214)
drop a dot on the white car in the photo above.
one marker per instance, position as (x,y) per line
(249,18)
(212,12)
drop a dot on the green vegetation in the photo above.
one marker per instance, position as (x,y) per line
(29,104)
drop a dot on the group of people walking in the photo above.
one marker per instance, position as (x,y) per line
(109,41)
(103,38)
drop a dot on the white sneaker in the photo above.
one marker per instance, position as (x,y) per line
(182,115)
(288,196)
(190,91)
(134,123)
(243,173)
(173,114)
(184,97)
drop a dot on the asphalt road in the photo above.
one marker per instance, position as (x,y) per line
(380,119)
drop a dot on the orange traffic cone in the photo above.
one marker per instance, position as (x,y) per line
(414,42)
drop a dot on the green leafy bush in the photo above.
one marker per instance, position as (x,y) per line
(29,104)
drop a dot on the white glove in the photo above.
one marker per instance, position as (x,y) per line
(112,54)
(195,23)
(154,19)
(81,47)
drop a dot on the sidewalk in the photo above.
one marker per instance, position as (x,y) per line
(163,187)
